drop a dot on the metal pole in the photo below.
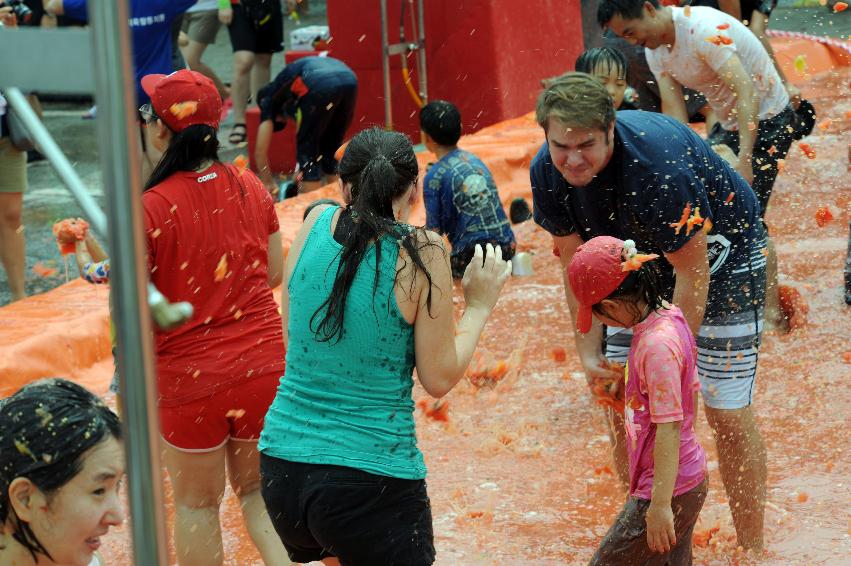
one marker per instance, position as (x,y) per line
(421,54)
(385,66)
(120,151)
(60,163)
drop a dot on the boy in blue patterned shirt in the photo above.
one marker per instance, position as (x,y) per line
(461,199)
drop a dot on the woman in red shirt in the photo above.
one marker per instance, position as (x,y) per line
(213,241)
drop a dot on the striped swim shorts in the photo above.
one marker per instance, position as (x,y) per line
(728,341)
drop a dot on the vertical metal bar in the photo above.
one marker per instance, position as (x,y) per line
(385,67)
(60,163)
(421,54)
(119,151)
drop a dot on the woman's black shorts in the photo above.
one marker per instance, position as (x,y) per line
(363,519)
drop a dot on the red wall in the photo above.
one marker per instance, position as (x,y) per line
(488,57)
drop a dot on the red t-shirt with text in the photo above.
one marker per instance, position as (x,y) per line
(208,239)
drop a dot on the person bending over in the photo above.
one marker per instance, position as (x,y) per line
(319,95)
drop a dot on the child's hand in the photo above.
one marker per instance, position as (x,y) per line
(661,536)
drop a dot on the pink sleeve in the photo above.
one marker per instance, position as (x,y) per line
(661,362)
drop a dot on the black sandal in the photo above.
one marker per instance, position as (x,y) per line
(238,134)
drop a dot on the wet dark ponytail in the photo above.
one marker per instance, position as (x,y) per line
(47,427)
(379,166)
(644,284)
(186,151)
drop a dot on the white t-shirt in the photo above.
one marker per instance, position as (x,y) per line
(695,62)
(204,6)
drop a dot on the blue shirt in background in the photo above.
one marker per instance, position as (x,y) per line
(658,166)
(150,26)
(461,201)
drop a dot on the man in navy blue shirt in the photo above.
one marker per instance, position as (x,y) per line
(643,176)
(319,94)
(461,199)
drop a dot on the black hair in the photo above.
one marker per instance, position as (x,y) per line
(626,9)
(379,166)
(643,284)
(318,202)
(519,211)
(604,58)
(48,426)
(186,151)
(441,120)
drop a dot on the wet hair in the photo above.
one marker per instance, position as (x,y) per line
(578,100)
(604,58)
(48,427)
(441,120)
(320,202)
(186,151)
(379,166)
(626,9)
(644,284)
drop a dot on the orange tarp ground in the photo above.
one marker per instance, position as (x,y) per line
(522,473)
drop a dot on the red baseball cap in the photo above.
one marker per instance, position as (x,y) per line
(595,271)
(184,98)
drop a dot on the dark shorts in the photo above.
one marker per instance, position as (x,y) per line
(363,519)
(460,259)
(772,143)
(325,117)
(626,542)
(267,38)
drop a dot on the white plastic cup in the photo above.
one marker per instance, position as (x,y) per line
(521,264)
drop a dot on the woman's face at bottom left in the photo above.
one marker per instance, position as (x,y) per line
(70,522)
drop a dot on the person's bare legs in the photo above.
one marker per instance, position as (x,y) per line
(774,319)
(261,74)
(244,474)
(12,243)
(742,463)
(243,61)
(617,434)
(198,481)
(192,53)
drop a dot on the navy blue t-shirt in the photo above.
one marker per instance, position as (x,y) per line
(321,77)
(461,201)
(658,166)
(150,27)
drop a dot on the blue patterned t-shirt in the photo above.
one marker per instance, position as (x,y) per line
(462,202)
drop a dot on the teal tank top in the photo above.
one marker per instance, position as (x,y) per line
(346,403)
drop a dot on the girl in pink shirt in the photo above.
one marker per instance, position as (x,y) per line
(667,465)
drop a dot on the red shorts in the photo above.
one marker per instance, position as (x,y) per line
(207,424)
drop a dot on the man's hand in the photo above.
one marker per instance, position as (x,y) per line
(7,17)
(226,16)
(596,368)
(794,95)
(661,536)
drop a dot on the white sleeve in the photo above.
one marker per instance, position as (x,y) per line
(714,55)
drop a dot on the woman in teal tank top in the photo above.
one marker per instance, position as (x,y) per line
(367,299)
